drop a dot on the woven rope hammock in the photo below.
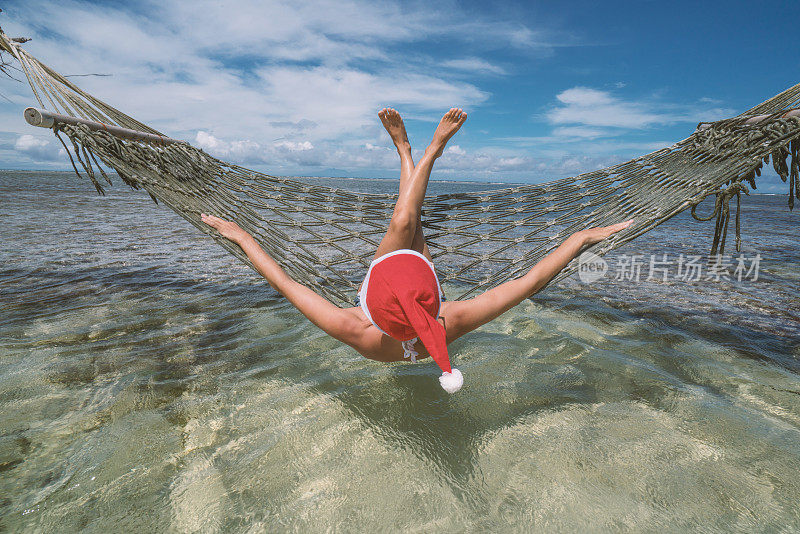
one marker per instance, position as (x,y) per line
(326,237)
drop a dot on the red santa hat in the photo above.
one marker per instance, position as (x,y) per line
(402,297)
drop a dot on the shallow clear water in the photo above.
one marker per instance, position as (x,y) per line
(149,382)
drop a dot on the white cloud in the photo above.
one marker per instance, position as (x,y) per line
(473,64)
(371,147)
(36,148)
(291,154)
(28,142)
(298,72)
(580,132)
(346,99)
(294,86)
(482,162)
(595,108)
(206,141)
(591,107)
(295,146)
(584,96)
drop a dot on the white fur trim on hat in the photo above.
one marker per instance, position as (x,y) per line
(451,382)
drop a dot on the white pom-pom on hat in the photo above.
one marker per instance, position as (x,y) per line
(452,382)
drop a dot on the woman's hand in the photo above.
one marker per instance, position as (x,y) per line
(590,236)
(228,229)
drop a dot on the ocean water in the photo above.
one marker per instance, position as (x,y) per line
(151,383)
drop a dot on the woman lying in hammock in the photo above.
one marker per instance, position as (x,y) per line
(400,301)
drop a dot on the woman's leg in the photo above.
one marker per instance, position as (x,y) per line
(404,225)
(394,126)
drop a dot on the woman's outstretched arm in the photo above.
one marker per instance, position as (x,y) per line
(464,316)
(336,322)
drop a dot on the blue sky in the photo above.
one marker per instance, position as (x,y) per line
(292,88)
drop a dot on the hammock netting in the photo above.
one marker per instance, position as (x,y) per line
(326,237)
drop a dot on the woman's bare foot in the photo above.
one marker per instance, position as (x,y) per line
(448,126)
(394,125)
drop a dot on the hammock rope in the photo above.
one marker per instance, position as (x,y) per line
(325,237)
